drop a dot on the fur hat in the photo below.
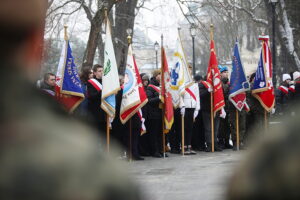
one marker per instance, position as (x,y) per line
(286,77)
(296,75)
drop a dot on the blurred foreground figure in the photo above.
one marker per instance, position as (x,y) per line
(272,171)
(43,153)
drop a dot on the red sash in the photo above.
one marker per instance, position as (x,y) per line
(284,89)
(292,88)
(191,93)
(96,84)
(205,84)
(157,89)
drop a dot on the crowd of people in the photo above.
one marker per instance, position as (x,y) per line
(194,106)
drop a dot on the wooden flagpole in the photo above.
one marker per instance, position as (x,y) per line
(107,117)
(182,135)
(107,133)
(163,135)
(211,102)
(237,130)
(266,122)
(163,105)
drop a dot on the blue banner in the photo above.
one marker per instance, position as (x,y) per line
(71,83)
(260,83)
(238,81)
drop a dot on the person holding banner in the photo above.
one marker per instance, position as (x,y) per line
(94,90)
(282,96)
(205,105)
(224,129)
(154,115)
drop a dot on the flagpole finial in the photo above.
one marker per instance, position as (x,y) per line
(211,32)
(162,40)
(66,32)
(129,38)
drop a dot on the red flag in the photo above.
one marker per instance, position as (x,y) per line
(69,102)
(214,81)
(134,96)
(166,94)
(265,95)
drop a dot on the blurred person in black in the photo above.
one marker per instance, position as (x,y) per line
(271,171)
(44,153)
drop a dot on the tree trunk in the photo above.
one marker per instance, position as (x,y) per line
(92,44)
(95,32)
(125,15)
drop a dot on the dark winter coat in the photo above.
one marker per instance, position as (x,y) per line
(153,109)
(94,102)
(205,98)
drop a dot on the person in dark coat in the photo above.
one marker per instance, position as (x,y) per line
(94,99)
(255,117)
(154,115)
(206,115)
(144,140)
(82,110)
(198,138)
(224,129)
(295,97)
(282,96)
(121,132)
(48,84)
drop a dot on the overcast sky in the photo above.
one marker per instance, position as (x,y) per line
(160,17)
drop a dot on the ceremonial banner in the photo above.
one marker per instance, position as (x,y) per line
(110,78)
(68,89)
(134,96)
(238,82)
(180,75)
(262,88)
(165,93)
(214,81)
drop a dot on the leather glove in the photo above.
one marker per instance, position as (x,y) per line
(182,111)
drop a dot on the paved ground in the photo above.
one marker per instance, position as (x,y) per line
(202,176)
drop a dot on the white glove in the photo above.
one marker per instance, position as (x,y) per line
(273,111)
(110,122)
(182,111)
(195,114)
(223,113)
(209,89)
(143,131)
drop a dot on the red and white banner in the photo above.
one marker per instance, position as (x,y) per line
(134,96)
(214,81)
